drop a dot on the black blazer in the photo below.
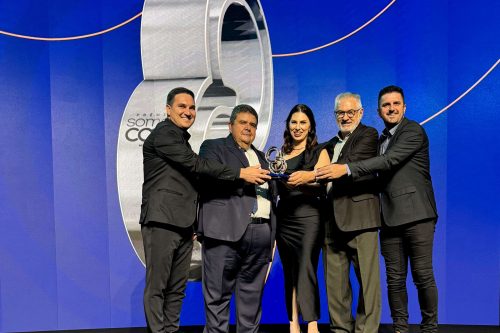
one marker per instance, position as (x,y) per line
(169,193)
(404,172)
(355,202)
(226,207)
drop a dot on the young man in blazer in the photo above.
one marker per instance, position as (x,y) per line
(352,223)
(168,210)
(237,225)
(408,208)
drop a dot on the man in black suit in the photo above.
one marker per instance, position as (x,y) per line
(168,210)
(408,208)
(352,227)
(236,222)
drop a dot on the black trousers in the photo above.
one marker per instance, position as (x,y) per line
(168,256)
(240,268)
(414,243)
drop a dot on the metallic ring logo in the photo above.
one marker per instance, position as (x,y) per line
(219,49)
(277,164)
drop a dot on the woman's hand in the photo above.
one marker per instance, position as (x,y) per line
(301,178)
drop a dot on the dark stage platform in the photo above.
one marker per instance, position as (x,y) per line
(284,329)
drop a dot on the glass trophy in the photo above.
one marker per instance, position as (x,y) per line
(277,163)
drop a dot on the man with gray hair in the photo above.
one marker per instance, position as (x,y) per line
(236,222)
(408,208)
(351,231)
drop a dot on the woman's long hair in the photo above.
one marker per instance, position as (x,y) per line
(312,139)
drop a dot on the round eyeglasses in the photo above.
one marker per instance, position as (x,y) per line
(350,113)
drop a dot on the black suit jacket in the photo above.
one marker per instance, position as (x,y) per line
(169,193)
(404,172)
(355,202)
(226,207)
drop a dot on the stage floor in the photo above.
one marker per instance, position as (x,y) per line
(284,329)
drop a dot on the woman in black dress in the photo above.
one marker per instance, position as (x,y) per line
(299,233)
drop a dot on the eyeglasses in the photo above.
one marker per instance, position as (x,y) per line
(350,113)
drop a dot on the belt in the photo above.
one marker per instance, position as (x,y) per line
(258,220)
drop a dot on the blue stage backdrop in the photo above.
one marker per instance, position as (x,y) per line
(66,261)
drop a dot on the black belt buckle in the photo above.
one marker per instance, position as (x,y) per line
(258,220)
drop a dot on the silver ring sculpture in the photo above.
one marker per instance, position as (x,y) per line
(220,50)
(277,164)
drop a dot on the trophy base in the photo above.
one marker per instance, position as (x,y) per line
(279,176)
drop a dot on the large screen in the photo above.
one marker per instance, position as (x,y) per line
(71,78)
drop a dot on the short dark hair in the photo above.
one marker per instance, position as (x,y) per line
(243,108)
(312,139)
(390,89)
(176,91)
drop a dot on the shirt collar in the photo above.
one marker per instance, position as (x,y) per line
(339,134)
(390,132)
(181,131)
